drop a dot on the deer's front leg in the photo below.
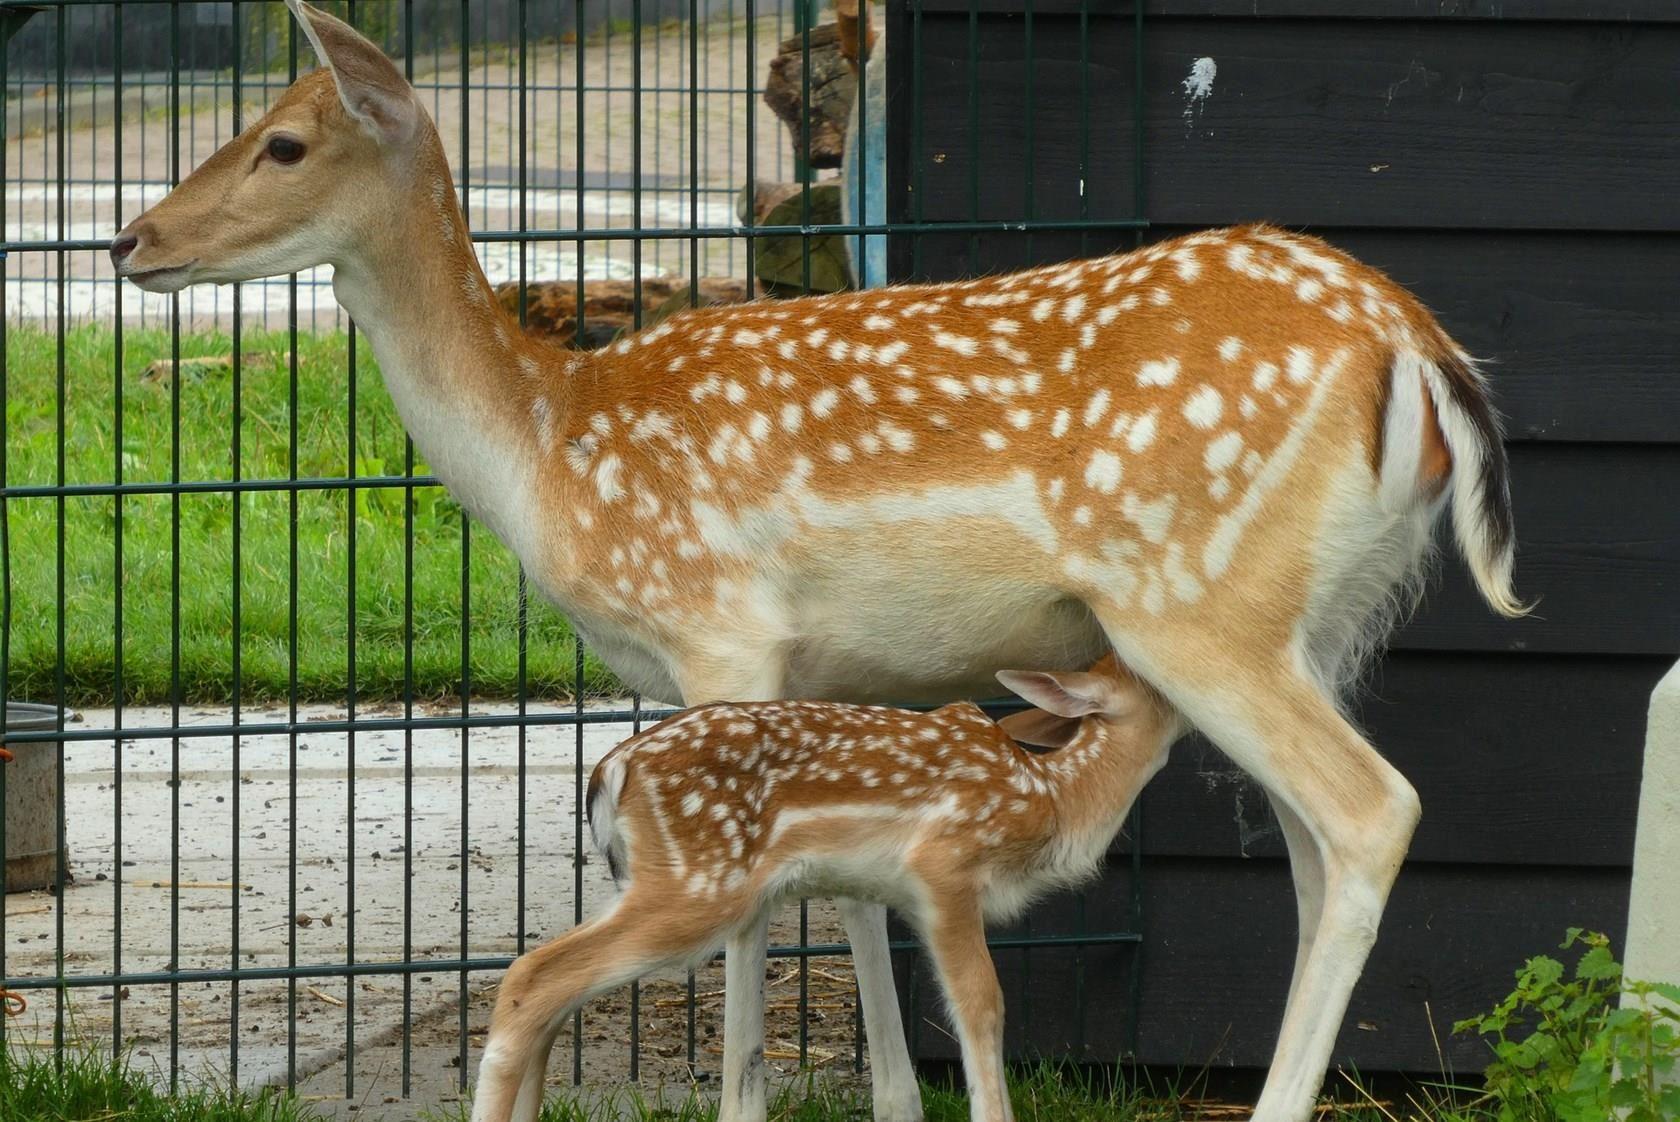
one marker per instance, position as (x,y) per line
(751,674)
(898,1096)
(742,1098)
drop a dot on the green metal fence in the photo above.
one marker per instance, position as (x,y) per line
(236,577)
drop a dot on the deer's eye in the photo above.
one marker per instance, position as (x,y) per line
(285,150)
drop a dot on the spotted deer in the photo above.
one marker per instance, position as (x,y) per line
(1220,457)
(713,817)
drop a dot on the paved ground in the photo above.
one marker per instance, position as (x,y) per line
(193,908)
(673,183)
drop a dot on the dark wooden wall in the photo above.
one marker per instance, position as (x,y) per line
(1518,166)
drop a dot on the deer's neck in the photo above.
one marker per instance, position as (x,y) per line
(456,368)
(1094,781)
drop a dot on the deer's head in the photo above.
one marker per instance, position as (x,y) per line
(299,188)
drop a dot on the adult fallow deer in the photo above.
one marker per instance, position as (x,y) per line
(1220,456)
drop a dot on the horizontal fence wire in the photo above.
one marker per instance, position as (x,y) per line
(560,191)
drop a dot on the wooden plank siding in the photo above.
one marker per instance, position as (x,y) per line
(1515,165)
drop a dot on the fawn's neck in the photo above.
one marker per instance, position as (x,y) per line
(461,376)
(1096,777)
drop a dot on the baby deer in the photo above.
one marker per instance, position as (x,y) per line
(712,817)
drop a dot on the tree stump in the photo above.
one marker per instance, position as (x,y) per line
(833,85)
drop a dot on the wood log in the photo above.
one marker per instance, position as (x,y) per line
(609,306)
(833,85)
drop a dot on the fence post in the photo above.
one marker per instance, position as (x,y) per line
(1653,933)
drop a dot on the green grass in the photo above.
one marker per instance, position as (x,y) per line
(1044,1093)
(91,1086)
(205,430)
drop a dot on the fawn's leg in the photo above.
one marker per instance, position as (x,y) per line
(742,1098)
(1346,807)
(955,933)
(897,1094)
(545,985)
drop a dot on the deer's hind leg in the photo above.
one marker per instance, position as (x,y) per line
(1349,817)
(545,985)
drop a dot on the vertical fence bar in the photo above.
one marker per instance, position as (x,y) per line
(60,95)
(292,638)
(577,654)
(466,590)
(409,49)
(523,606)
(175,571)
(236,592)
(351,470)
(118,470)
(5,477)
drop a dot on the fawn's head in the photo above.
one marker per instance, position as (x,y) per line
(334,159)
(1107,693)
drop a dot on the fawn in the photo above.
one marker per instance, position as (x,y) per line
(712,817)
(1221,456)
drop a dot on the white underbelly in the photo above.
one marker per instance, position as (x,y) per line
(912,641)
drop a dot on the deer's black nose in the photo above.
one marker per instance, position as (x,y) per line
(122,247)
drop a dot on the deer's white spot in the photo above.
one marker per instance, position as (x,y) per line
(1152,518)
(1222,452)
(1103,472)
(1005,326)
(1203,407)
(877,323)
(792,417)
(1096,407)
(542,415)
(962,344)
(1158,372)
(748,338)
(1264,375)
(993,440)
(889,353)
(1230,348)
(606,478)
(1142,433)
(824,401)
(1189,268)
(1059,423)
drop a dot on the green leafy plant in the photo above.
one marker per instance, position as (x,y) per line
(1565,1047)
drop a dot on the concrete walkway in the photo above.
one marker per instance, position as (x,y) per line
(205,908)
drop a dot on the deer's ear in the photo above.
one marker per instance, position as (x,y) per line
(1065,695)
(372,89)
(1039,728)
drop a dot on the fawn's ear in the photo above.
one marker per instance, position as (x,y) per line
(1072,695)
(1039,728)
(372,89)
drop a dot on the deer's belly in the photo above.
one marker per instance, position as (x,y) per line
(914,641)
